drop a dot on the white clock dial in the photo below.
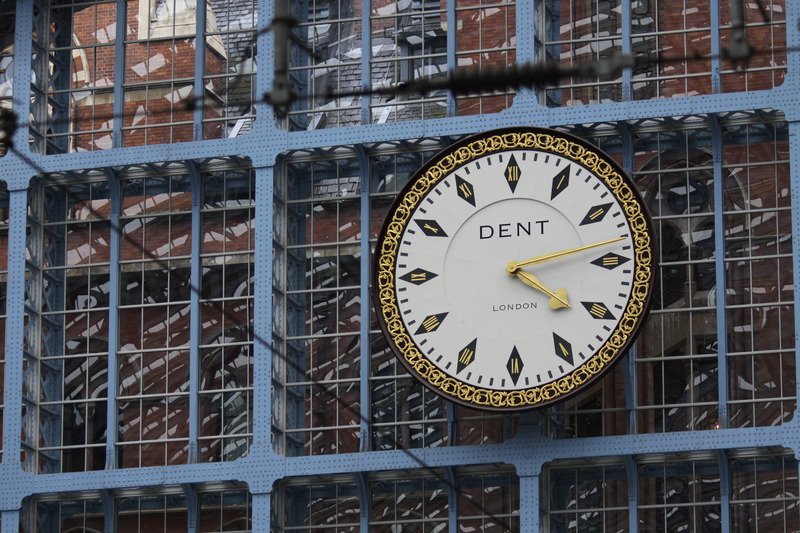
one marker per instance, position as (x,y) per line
(517,275)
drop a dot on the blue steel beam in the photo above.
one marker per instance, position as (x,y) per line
(15,319)
(451,413)
(262,314)
(632,472)
(724,489)
(626,48)
(451,21)
(265,143)
(793,80)
(195,280)
(261,512)
(530,503)
(39,76)
(365,411)
(265,69)
(199,92)
(794,155)
(11,521)
(716,84)
(109,511)
(114,254)
(537,116)
(23,53)
(453,498)
(119,67)
(740,437)
(366,66)
(629,362)
(364,500)
(192,507)
(527,453)
(262,467)
(717,150)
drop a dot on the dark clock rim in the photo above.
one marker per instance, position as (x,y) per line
(420,173)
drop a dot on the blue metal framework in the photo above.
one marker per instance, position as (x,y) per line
(274,474)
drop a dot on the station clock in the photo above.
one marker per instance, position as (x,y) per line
(514,269)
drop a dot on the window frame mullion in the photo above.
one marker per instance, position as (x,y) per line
(119,74)
(195,312)
(114,275)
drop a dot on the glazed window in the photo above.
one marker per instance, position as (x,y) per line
(583,32)
(321,304)
(75,93)
(109,339)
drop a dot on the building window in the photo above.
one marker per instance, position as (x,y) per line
(163,509)
(484,499)
(320,309)
(78,74)
(113,274)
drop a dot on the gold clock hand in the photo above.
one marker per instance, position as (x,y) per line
(513,266)
(558,299)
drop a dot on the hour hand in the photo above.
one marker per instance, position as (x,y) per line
(558,299)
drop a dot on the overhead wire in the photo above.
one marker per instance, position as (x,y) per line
(471,81)
(46,178)
(458,82)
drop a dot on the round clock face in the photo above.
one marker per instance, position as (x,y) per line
(514,268)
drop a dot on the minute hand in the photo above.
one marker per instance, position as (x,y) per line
(513,266)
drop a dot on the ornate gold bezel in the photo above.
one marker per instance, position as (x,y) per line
(444,164)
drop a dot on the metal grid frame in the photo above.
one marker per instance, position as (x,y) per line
(127,243)
(493,48)
(529,453)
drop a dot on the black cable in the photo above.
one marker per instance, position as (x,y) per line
(458,82)
(462,81)
(9,117)
(46,177)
